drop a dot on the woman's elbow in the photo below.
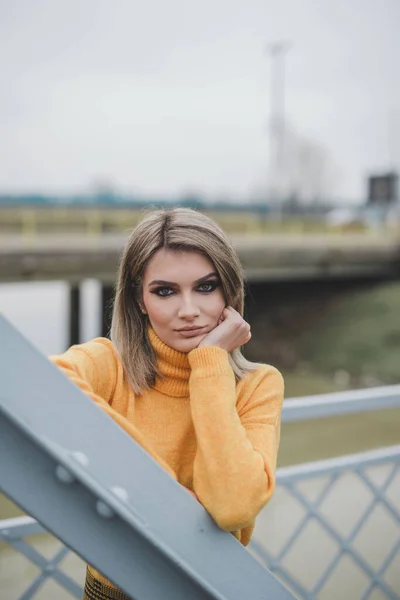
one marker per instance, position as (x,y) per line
(231,522)
(231,518)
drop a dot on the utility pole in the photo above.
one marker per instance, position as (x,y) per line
(276,175)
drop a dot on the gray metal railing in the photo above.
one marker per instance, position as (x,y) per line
(323,507)
(125,526)
(68,480)
(346,508)
(13,531)
(339,516)
(353,498)
(341,403)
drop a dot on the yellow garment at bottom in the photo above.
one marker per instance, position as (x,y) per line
(95,589)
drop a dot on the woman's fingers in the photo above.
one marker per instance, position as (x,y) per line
(238,323)
(231,331)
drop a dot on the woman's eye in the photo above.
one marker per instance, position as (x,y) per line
(207,287)
(164,291)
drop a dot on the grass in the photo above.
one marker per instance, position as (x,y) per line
(337,436)
(361,336)
(307,384)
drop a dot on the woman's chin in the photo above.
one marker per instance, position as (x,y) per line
(187,345)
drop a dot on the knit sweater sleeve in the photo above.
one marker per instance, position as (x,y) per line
(93,367)
(237,442)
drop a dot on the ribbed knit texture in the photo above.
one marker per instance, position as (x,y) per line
(174,367)
(216,437)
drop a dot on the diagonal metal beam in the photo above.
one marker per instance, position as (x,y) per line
(64,461)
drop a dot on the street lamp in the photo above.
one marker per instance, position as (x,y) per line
(277,52)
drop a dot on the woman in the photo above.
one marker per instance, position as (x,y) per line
(173,375)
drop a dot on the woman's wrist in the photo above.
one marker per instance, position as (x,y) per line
(210,360)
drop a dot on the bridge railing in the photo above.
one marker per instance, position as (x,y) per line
(331,530)
(30,222)
(25,536)
(333,526)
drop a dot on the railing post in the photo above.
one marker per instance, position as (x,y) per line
(74,316)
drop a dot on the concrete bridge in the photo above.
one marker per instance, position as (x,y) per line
(268,257)
(289,275)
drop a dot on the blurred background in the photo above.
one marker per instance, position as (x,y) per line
(281,120)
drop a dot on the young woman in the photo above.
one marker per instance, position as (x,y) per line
(173,376)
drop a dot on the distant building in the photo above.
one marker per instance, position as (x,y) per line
(383,200)
(383,190)
(381,208)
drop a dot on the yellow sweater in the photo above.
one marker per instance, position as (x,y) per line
(216,437)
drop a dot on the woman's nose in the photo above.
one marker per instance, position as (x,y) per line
(188,308)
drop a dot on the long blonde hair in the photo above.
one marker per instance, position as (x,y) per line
(174,229)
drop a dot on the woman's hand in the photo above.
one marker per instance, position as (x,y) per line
(192,493)
(231,332)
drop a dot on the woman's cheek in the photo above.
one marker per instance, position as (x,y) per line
(217,305)
(163,312)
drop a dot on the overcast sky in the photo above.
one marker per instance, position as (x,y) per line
(164,96)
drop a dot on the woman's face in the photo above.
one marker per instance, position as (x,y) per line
(183,297)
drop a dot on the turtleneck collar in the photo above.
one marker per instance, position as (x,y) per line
(174,368)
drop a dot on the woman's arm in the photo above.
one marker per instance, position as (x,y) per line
(93,367)
(237,446)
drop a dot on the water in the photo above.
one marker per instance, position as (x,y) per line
(39,310)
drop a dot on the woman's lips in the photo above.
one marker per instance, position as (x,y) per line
(188,333)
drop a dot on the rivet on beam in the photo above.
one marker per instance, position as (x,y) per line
(120,492)
(104,510)
(80,458)
(64,475)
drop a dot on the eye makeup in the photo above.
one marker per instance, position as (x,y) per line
(164,291)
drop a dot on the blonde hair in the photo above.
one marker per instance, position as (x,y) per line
(175,229)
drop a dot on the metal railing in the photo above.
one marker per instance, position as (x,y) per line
(14,532)
(67,478)
(343,536)
(345,517)
(332,528)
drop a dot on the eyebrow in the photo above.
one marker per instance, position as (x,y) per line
(173,284)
